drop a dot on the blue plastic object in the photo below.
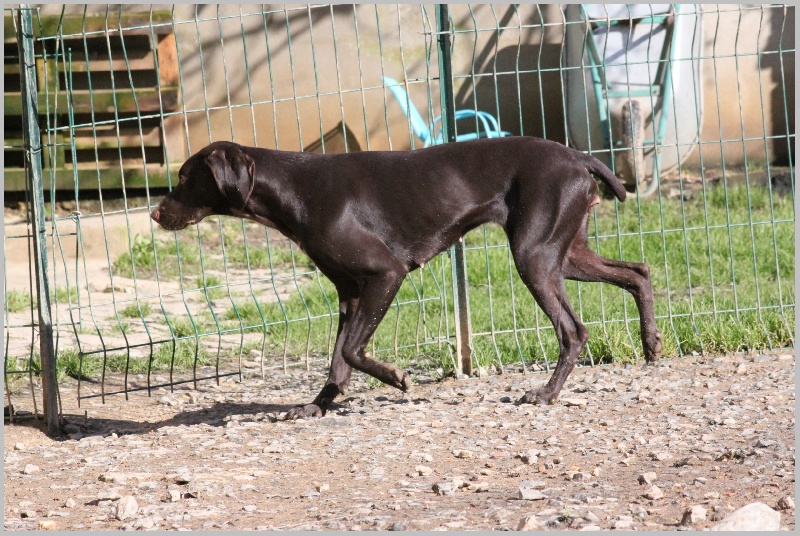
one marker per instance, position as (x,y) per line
(429,133)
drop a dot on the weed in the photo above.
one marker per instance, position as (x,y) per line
(135,310)
(18,301)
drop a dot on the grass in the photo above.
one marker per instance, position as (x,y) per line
(179,357)
(140,310)
(722,268)
(157,258)
(212,287)
(18,301)
(705,276)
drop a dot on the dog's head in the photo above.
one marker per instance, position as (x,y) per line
(217,180)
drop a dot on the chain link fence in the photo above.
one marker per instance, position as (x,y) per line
(688,105)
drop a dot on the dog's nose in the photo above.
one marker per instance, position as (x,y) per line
(155,214)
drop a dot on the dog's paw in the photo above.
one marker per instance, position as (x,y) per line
(405,382)
(652,348)
(540,397)
(303,412)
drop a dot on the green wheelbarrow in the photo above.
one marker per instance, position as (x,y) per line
(634,86)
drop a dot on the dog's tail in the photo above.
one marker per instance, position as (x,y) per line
(599,169)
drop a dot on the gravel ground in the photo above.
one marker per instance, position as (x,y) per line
(633,447)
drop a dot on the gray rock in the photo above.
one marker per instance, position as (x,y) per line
(648,478)
(30,469)
(111,494)
(445,488)
(580,402)
(144,523)
(69,503)
(530,494)
(653,493)
(423,470)
(623,522)
(754,516)
(127,507)
(530,522)
(786,503)
(532,484)
(694,514)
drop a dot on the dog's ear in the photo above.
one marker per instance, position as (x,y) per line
(234,173)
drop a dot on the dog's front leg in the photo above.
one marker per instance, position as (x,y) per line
(339,375)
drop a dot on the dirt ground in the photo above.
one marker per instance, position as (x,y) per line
(625,447)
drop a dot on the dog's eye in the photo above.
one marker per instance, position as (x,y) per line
(182,179)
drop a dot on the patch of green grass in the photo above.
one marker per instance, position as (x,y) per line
(136,311)
(708,279)
(18,301)
(117,327)
(145,254)
(212,287)
(178,357)
(64,295)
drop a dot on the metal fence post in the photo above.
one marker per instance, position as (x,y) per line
(457,259)
(33,166)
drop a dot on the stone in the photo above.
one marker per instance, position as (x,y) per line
(786,503)
(127,507)
(69,503)
(19,446)
(693,514)
(173,495)
(639,512)
(754,516)
(30,469)
(111,494)
(47,524)
(532,484)
(579,402)
(623,522)
(530,494)
(250,508)
(530,522)
(423,470)
(144,523)
(648,478)
(653,493)
(531,457)
(464,454)
(444,488)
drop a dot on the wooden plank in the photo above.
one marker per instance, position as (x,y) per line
(107,137)
(101,101)
(14,179)
(131,22)
(168,70)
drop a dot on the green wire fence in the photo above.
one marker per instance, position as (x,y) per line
(124,94)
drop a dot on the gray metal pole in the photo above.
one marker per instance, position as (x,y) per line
(33,168)
(458,261)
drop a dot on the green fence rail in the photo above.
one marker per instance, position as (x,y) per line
(126,94)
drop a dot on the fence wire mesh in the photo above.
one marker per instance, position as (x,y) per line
(127,93)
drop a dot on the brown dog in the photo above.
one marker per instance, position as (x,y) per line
(368,219)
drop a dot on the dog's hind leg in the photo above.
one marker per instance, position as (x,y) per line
(339,375)
(583,264)
(544,280)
